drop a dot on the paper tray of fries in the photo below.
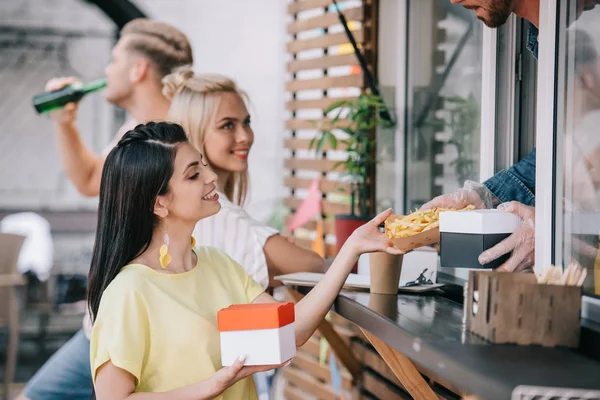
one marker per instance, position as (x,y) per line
(416,240)
(418,229)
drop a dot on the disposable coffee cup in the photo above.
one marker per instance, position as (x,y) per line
(385,272)
(384,304)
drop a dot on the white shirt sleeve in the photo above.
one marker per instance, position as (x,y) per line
(127,126)
(234,232)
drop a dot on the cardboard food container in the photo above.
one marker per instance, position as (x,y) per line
(263,332)
(464,235)
(415,241)
(514,308)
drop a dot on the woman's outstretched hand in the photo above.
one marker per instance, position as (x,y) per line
(368,238)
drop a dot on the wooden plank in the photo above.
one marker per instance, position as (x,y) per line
(403,368)
(304,144)
(304,5)
(9,280)
(311,347)
(294,393)
(326,186)
(336,60)
(340,321)
(381,389)
(327,82)
(371,359)
(328,207)
(309,124)
(313,367)
(325,20)
(321,165)
(328,225)
(314,104)
(324,41)
(308,383)
(330,249)
(345,331)
(340,349)
(346,334)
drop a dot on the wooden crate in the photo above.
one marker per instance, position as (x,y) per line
(514,308)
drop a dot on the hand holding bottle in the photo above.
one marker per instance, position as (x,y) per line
(68,114)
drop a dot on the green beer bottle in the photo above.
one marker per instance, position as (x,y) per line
(49,101)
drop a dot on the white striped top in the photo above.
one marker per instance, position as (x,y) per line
(234,232)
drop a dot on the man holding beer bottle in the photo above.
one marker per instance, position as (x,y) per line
(145,53)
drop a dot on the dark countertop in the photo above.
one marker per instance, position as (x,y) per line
(428,329)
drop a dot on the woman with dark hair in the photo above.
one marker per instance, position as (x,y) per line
(154,298)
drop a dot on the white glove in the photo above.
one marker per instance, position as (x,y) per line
(473,193)
(521,242)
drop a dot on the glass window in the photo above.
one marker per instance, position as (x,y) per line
(515,94)
(577,154)
(444,98)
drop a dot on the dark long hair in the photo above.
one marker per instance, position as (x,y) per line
(136,171)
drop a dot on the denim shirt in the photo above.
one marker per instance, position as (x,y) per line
(518,182)
(532,40)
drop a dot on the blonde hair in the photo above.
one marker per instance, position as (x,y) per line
(194,101)
(166,46)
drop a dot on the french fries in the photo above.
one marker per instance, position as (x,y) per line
(573,275)
(416,222)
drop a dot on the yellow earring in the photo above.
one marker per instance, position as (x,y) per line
(193,241)
(165,257)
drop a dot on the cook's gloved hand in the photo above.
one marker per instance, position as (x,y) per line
(521,242)
(473,193)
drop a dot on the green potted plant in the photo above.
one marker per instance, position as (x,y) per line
(358,118)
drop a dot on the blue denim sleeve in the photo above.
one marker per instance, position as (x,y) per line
(517,183)
(532,40)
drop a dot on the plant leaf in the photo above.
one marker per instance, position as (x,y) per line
(337,104)
(320,143)
(349,131)
(337,164)
(332,141)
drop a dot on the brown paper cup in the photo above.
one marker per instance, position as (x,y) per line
(384,304)
(385,272)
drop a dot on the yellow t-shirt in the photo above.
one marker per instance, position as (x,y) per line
(162,328)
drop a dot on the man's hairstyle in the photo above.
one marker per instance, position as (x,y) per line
(166,46)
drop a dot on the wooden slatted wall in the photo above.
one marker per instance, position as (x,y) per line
(307,378)
(323,69)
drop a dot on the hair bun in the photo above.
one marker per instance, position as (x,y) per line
(176,81)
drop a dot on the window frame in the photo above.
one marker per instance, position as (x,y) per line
(549,212)
(545,135)
(489,71)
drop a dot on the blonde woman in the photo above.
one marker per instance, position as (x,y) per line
(213,112)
